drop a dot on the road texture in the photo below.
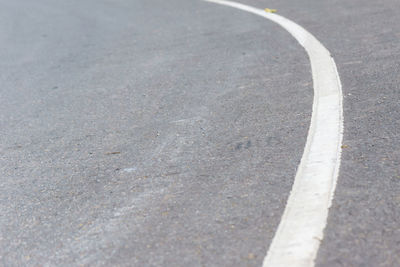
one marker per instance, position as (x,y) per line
(168,133)
(364,37)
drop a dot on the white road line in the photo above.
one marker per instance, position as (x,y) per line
(300,231)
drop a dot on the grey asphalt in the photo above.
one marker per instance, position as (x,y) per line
(167,133)
(364,37)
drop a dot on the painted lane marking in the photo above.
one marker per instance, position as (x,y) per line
(300,231)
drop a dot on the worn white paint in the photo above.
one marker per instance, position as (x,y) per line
(132,169)
(300,231)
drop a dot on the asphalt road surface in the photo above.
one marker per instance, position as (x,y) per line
(168,133)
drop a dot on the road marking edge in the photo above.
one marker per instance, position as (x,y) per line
(300,232)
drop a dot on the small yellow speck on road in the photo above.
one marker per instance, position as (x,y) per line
(268,10)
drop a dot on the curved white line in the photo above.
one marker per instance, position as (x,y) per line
(300,231)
